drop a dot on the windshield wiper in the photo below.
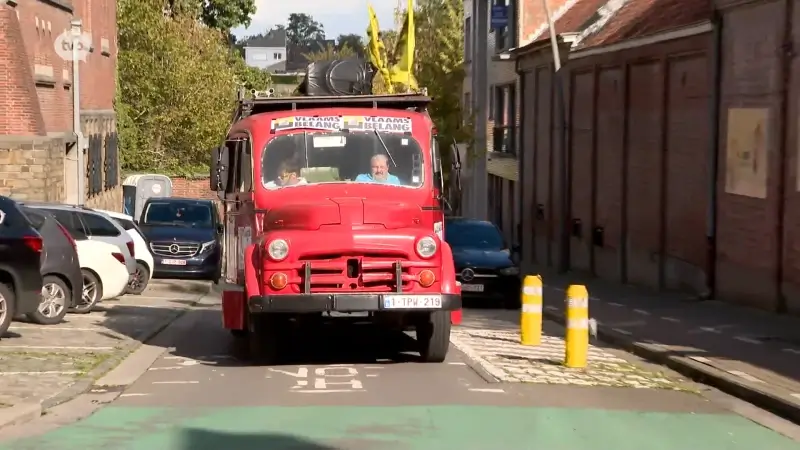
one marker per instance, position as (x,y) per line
(388,153)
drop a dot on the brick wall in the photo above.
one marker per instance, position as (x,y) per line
(36,95)
(192,188)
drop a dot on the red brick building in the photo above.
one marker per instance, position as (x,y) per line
(681,147)
(38,151)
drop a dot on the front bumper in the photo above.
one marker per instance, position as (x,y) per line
(313,303)
(200,266)
(497,287)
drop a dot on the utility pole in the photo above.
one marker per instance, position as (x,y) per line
(564,161)
(76,28)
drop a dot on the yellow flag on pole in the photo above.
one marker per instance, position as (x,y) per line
(402,71)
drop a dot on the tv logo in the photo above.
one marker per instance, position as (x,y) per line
(65,41)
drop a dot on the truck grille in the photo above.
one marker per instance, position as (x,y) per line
(175,249)
(355,273)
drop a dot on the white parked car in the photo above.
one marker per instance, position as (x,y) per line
(144,259)
(104,273)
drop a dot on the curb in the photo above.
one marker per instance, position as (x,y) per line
(25,412)
(699,372)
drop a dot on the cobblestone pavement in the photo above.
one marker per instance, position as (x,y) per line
(42,364)
(491,339)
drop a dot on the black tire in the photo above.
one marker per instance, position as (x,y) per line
(87,305)
(8,303)
(56,315)
(239,334)
(512,300)
(433,337)
(140,280)
(263,333)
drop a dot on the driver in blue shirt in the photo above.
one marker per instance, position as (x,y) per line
(379,172)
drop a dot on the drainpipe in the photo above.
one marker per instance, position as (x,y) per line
(786,56)
(76,30)
(564,161)
(713,157)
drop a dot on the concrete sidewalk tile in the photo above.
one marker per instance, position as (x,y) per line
(759,394)
(19,413)
(499,353)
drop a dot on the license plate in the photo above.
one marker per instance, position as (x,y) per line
(174,262)
(472,287)
(412,301)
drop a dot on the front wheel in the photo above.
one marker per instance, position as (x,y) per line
(433,336)
(263,333)
(7,304)
(54,302)
(139,281)
(92,293)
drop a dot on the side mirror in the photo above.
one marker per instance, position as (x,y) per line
(516,248)
(220,228)
(218,169)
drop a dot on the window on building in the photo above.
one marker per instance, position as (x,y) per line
(256,56)
(468,39)
(505,37)
(505,114)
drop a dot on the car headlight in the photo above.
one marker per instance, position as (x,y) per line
(510,271)
(426,247)
(278,249)
(207,246)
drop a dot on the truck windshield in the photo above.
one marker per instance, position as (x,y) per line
(304,158)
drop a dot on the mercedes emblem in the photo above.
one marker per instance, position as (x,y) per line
(467,274)
(174,249)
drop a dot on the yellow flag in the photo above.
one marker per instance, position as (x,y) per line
(402,71)
(376,49)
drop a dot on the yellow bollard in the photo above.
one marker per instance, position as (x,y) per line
(577,339)
(531,315)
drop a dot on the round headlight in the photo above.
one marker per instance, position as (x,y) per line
(278,249)
(426,247)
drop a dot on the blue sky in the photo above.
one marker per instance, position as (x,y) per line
(337,16)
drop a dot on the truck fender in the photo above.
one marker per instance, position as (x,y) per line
(251,281)
(449,285)
(234,301)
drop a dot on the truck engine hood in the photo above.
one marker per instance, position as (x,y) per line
(345,212)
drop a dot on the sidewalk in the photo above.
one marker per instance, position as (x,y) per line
(752,354)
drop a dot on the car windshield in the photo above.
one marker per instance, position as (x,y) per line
(304,158)
(178,213)
(477,235)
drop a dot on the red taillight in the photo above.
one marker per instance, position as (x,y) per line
(69,236)
(33,242)
(131,248)
(119,257)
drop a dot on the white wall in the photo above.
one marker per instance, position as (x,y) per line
(263,57)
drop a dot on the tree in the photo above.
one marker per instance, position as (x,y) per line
(302,30)
(175,91)
(227,14)
(353,41)
(330,53)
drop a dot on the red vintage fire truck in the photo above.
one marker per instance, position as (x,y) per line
(334,204)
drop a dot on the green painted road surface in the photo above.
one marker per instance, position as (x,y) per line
(412,428)
(346,388)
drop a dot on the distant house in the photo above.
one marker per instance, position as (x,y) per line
(267,52)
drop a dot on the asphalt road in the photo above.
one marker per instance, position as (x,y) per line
(355,387)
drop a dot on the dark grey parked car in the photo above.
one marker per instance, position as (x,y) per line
(61,271)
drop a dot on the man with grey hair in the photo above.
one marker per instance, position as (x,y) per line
(379,172)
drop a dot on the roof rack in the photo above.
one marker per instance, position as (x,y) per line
(258,105)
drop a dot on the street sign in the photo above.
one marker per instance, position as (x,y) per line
(499,17)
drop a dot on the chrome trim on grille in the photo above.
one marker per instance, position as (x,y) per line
(175,249)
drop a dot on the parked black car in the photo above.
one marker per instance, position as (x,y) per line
(63,281)
(485,264)
(185,236)
(20,262)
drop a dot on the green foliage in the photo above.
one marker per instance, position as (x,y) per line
(352,41)
(303,30)
(176,85)
(227,14)
(330,53)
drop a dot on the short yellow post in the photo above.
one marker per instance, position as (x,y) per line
(531,315)
(577,339)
